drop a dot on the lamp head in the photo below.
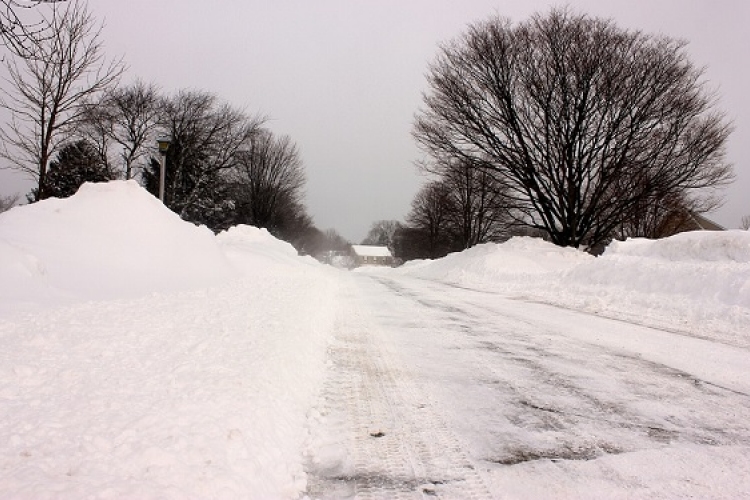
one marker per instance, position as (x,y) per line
(164,143)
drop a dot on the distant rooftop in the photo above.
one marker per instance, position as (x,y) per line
(704,223)
(371,251)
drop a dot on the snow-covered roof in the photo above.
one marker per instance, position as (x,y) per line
(371,251)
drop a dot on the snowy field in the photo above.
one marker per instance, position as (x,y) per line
(144,357)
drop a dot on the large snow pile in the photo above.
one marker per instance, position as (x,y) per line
(239,241)
(113,385)
(109,240)
(518,259)
(711,268)
(696,246)
(694,282)
(257,240)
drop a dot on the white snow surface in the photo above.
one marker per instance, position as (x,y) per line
(145,357)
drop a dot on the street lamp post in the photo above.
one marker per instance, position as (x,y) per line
(163,148)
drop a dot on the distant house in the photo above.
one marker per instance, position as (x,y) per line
(696,222)
(370,255)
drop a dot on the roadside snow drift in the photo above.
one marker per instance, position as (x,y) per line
(144,357)
(695,282)
(109,240)
(518,259)
(239,241)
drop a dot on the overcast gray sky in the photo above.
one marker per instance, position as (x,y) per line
(344,78)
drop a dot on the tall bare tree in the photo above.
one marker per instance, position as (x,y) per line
(134,115)
(95,127)
(480,210)
(381,233)
(269,179)
(581,120)
(125,119)
(207,138)
(430,217)
(48,90)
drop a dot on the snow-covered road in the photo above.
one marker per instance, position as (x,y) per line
(434,390)
(158,360)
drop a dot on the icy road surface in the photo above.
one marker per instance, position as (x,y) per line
(438,391)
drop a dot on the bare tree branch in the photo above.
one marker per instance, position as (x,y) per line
(22,25)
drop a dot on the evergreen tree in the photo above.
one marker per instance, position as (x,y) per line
(76,163)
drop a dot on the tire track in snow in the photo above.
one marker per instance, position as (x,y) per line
(379,436)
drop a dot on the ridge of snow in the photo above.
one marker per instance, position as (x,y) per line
(731,245)
(695,282)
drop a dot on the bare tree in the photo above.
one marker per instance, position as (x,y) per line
(480,210)
(95,127)
(127,119)
(430,215)
(327,246)
(745,222)
(269,179)
(664,214)
(381,233)
(293,223)
(208,138)
(335,242)
(22,26)
(49,89)
(464,207)
(580,119)
(133,112)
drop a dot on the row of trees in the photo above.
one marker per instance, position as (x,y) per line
(564,125)
(70,123)
(464,207)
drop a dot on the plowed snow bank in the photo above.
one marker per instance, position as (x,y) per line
(110,240)
(695,282)
(143,357)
